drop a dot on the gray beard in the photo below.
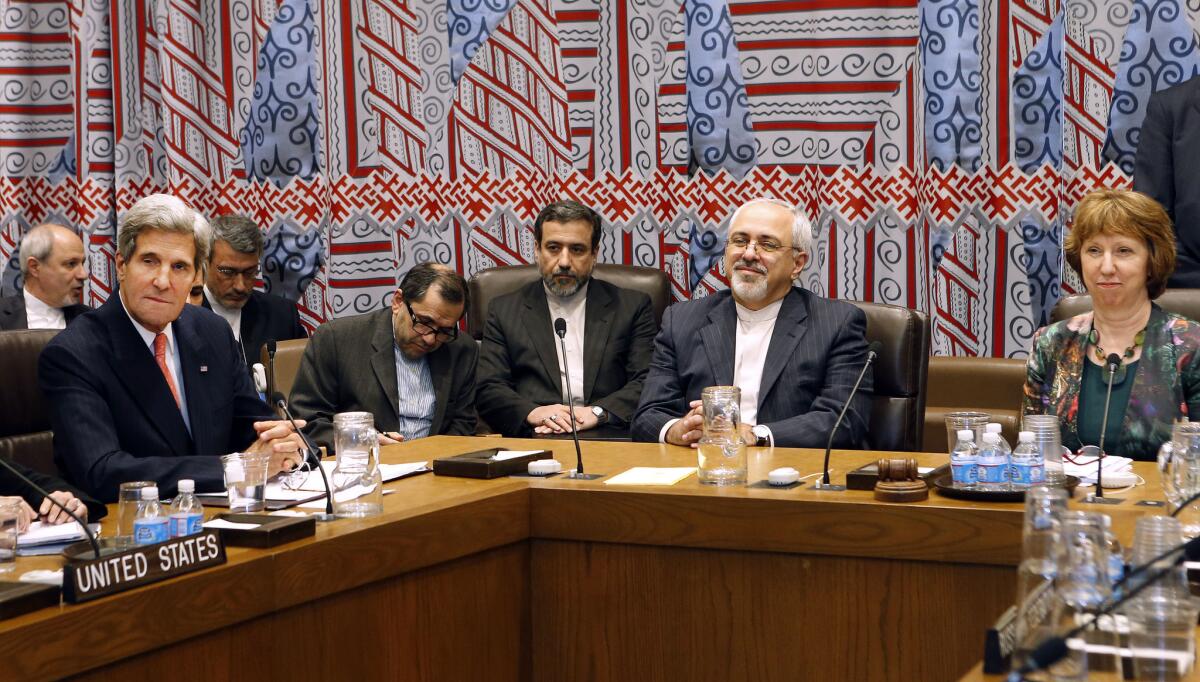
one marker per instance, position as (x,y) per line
(749,290)
(564,290)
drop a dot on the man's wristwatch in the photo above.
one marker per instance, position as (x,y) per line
(762,435)
(601,415)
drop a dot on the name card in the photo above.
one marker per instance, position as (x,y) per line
(94,578)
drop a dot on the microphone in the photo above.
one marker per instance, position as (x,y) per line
(269,380)
(1111,364)
(1053,649)
(86,531)
(560,328)
(311,454)
(823,483)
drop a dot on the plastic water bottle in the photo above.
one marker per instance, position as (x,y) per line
(186,516)
(1028,469)
(149,526)
(996,428)
(992,464)
(964,460)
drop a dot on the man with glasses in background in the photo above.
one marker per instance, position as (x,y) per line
(609,337)
(794,355)
(406,364)
(234,264)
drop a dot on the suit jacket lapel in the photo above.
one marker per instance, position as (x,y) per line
(250,323)
(718,338)
(134,366)
(789,329)
(598,315)
(439,372)
(537,324)
(383,361)
(192,351)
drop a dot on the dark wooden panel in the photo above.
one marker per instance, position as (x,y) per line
(619,612)
(467,619)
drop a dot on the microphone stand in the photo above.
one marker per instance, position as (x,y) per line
(311,456)
(561,331)
(1111,364)
(823,482)
(86,531)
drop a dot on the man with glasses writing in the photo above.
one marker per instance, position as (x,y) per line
(406,364)
(234,262)
(794,355)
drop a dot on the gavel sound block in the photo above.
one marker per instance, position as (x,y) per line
(899,481)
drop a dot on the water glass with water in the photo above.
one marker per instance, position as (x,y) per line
(357,482)
(1179,462)
(129,497)
(246,480)
(721,452)
(1041,553)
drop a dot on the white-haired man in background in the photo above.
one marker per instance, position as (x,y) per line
(54,269)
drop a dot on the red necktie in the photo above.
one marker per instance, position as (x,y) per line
(160,356)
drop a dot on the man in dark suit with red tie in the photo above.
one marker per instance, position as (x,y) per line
(147,387)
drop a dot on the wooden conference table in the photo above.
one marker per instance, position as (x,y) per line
(553,579)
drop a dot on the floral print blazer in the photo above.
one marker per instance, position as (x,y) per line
(1166,386)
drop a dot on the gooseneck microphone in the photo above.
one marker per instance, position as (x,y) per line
(560,328)
(86,531)
(823,482)
(311,455)
(272,346)
(1053,649)
(1111,364)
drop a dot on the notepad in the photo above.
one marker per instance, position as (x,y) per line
(651,476)
(40,533)
(229,525)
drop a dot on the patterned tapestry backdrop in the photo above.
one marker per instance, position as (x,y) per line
(939,145)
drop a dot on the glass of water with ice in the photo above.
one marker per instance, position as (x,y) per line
(246,481)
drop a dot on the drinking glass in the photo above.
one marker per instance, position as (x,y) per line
(246,480)
(1162,617)
(721,451)
(129,498)
(356,480)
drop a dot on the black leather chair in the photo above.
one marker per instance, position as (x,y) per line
(898,407)
(492,283)
(287,364)
(969,384)
(1184,302)
(25,434)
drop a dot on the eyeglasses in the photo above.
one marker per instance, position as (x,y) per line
(742,242)
(248,273)
(422,326)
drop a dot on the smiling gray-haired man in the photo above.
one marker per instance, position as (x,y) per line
(794,355)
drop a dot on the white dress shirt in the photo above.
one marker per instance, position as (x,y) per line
(573,309)
(173,362)
(752,339)
(232,315)
(38,315)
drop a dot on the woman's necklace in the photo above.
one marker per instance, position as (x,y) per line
(1102,356)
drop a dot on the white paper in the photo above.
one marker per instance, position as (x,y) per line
(511,454)
(312,483)
(651,476)
(46,534)
(230,525)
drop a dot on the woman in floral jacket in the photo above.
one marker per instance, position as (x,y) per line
(1122,245)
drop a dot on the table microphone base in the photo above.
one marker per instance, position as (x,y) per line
(1092,498)
(573,474)
(827,487)
(322,517)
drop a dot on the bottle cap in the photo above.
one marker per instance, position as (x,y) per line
(993,427)
(187,485)
(991,438)
(1025,437)
(150,492)
(966,434)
